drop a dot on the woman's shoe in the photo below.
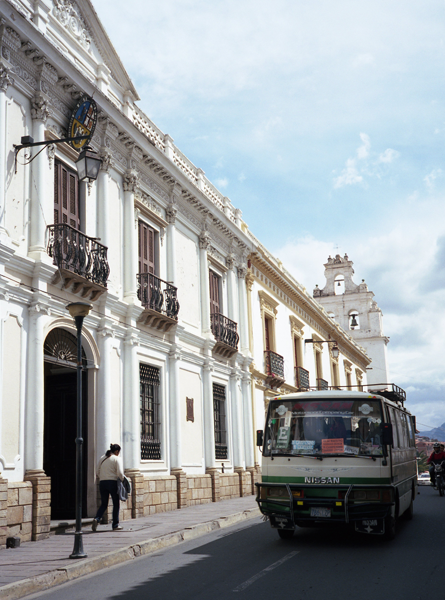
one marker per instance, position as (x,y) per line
(94,525)
(118,528)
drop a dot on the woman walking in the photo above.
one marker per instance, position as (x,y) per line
(109,471)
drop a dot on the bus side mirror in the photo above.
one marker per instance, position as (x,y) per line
(259,437)
(387,437)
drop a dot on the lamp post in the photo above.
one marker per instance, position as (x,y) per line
(79,310)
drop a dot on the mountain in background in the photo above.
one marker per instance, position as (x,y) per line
(438,433)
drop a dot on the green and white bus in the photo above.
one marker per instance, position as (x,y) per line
(338,457)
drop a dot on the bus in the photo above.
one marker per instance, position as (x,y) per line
(338,457)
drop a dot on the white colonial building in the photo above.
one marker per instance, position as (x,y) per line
(353,307)
(187,307)
(160,255)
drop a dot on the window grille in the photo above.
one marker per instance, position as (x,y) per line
(150,412)
(219,414)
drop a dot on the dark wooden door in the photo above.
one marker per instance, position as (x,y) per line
(146,249)
(60,431)
(66,196)
(214,292)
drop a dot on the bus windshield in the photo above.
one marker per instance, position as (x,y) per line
(323,427)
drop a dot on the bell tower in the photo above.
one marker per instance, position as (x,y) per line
(353,307)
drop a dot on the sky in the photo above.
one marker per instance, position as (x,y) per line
(324,122)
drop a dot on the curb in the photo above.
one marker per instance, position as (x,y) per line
(45,581)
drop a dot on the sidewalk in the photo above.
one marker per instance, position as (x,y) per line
(37,566)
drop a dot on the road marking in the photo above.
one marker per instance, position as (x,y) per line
(265,571)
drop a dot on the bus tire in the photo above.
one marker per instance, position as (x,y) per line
(286,534)
(390,528)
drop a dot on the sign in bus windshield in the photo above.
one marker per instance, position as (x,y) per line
(340,427)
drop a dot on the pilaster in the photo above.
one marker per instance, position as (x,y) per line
(130,185)
(209,423)
(137,492)
(181,486)
(131,420)
(216,484)
(41,503)
(3,512)
(5,81)
(204,245)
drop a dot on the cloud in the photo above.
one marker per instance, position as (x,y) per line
(366,163)
(242,177)
(388,156)
(222,183)
(431,178)
(349,176)
(363,151)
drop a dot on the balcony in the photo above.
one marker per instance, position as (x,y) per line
(160,302)
(82,262)
(322,384)
(301,378)
(226,335)
(274,366)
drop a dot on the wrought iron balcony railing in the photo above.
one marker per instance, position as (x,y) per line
(158,295)
(322,384)
(274,364)
(302,378)
(74,251)
(224,330)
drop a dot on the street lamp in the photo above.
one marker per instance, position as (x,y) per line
(79,310)
(88,163)
(335,351)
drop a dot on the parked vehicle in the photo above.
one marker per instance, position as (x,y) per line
(440,481)
(424,479)
(338,457)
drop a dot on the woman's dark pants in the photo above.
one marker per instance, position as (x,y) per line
(108,488)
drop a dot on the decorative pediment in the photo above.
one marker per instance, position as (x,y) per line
(80,24)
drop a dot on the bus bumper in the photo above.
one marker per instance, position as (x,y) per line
(308,506)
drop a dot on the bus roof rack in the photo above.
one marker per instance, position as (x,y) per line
(391,391)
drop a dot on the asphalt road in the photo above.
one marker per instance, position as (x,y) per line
(251,562)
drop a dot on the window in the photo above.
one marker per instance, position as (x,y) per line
(66,196)
(219,414)
(150,412)
(214,281)
(146,249)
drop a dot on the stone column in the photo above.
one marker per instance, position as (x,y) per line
(237,420)
(130,238)
(209,422)
(204,245)
(39,168)
(103,212)
(34,403)
(104,391)
(5,81)
(232,291)
(34,411)
(243,311)
(131,403)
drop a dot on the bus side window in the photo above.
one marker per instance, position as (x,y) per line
(395,433)
(412,439)
(406,439)
(401,429)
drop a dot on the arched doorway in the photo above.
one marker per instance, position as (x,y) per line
(59,451)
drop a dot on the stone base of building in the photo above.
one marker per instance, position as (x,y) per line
(25,507)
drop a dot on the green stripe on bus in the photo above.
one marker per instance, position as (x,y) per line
(343,480)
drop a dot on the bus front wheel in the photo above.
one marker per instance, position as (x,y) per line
(286,534)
